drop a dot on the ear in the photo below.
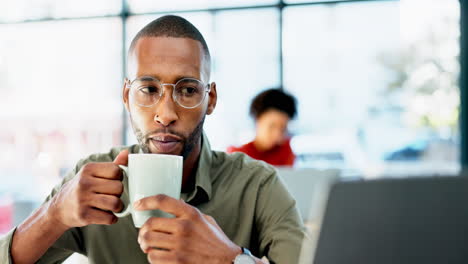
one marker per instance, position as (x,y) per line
(125,93)
(213,98)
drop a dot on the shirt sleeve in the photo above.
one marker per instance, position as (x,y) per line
(70,242)
(5,246)
(280,227)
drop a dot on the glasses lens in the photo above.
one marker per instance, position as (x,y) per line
(146,91)
(189,92)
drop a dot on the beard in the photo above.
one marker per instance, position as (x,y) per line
(188,142)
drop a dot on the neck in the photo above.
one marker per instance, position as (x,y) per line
(190,167)
(259,146)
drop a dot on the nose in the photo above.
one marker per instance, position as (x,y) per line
(166,108)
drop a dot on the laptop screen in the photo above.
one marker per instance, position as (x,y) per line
(416,220)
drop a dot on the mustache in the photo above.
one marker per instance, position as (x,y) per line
(163,131)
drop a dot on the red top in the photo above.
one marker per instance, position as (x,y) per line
(281,155)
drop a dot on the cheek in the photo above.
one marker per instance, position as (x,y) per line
(264,130)
(279,134)
(141,117)
(190,118)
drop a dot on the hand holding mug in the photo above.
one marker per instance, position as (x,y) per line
(190,237)
(91,196)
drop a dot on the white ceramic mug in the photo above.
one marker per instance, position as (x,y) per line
(149,175)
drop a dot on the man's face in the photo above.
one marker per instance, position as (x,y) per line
(166,127)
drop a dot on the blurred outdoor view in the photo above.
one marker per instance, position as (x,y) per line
(376,82)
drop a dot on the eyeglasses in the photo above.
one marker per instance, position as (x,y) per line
(187,92)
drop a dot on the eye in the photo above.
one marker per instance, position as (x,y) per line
(188,90)
(148,89)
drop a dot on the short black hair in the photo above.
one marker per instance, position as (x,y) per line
(172,26)
(273,99)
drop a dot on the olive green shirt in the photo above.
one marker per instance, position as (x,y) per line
(245,197)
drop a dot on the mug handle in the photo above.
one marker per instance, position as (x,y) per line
(128,209)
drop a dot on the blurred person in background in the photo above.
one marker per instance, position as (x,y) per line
(272,110)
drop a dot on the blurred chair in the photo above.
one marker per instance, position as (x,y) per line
(310,188)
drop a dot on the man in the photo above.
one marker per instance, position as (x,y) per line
(230,202)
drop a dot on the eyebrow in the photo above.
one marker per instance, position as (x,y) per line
(178,78)
(146,78)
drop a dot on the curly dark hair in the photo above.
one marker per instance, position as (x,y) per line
(273,99)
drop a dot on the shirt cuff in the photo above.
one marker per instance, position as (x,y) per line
(5,247)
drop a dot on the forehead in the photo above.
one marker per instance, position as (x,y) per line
(167,57)
(273,115)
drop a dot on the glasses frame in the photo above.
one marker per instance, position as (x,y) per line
(173,85)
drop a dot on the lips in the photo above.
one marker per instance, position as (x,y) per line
(165,143)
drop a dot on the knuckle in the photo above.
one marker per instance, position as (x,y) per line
(147,225)
(79,197)
(120,187)
(194,213)
(184,227)
(84,182)
(118,206)
(114,170)
(178,258)
(210,219)
(160,198)
(87,168)
(143,229)
(109,219)
(179,244)
(146,236)
(83,215)
(115,204)
(152,222)
(152,257)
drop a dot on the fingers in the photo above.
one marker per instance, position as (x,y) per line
(163,256)
(106,202)
(167,204)
(151,239)
(106,186)
(106,170)
(122,158)
(160,224)
(96,216)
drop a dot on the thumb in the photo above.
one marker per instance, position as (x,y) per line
(122,158)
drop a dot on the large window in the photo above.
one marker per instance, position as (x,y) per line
(59,102)
(376,82)
(377,85)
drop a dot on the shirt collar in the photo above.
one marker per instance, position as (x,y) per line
(203,187)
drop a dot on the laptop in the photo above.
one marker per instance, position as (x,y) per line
(414,220)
